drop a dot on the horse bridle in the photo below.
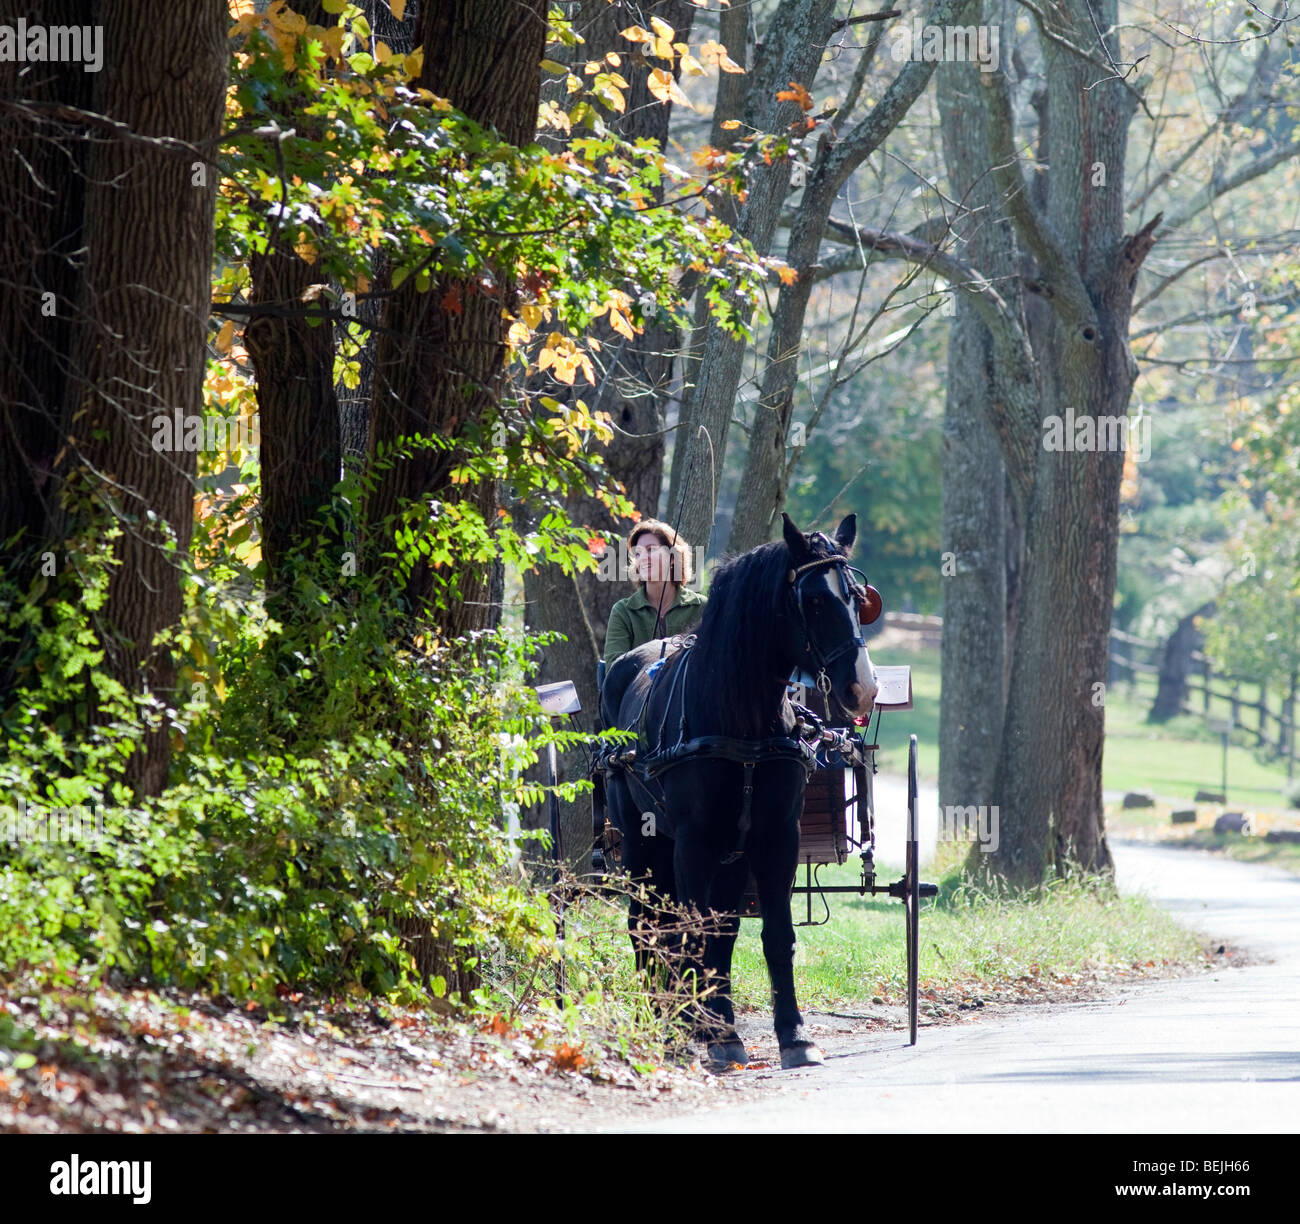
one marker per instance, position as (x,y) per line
(868,600)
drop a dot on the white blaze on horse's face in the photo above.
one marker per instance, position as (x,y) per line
(863,690)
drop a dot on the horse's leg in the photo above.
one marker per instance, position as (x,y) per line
(662,944)
(637,865)
(774,854)
(728,888)
(695,862)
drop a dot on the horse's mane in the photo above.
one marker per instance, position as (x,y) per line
(734,663)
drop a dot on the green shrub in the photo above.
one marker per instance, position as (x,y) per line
(326,786)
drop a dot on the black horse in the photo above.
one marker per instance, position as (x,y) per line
(717,786)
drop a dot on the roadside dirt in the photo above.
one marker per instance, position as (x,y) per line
(136,1061)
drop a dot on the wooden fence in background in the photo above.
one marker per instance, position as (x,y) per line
(1268,719)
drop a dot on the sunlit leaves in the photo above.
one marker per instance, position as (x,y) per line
(712,52)
(564,359)
(662,86)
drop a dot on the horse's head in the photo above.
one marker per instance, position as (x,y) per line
(829,606)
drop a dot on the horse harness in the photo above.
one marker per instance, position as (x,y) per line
(649,760)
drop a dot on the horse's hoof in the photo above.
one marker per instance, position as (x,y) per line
(723,1054)
(802,1054)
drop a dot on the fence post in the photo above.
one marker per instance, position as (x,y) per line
(1236,703)
(1205,703)
(1261,735)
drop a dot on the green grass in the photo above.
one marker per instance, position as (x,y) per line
(1177,759)
(969,940)
(1182,756)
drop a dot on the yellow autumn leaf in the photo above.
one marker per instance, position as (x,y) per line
(226,336)
(730,125)
(637,33)
(331,39)
(662,86)
(397,8)
(282,17)
(414,63)
(383,52)
(713,52)
(552,114)
(609,93)
(561,367)
(621,324)
(305,248)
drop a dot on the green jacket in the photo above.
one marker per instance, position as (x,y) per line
(632,620)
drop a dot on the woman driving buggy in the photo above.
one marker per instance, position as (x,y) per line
(663,604)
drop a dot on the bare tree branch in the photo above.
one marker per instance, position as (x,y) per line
(1220,186)
(1206,316)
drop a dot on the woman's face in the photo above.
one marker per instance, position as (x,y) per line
(651,559)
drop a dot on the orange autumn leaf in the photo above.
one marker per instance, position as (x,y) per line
(796,93)
(569,1058)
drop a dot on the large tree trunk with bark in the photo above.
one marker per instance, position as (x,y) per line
(141,313)
(975,506)
(40,242)
(1049,769)
(292,349)
(440,360)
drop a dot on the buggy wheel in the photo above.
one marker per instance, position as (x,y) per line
(912,892)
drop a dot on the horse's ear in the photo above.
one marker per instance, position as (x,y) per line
(794,538)
(847,532)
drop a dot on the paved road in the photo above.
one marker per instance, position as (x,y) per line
(1216,1053)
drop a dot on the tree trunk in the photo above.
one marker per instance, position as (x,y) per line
(354,402)
(440,361)
(1176,665)
(142,312)
(40,238)
(1049,769)
(293,358)
(763,485)
(976,506)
